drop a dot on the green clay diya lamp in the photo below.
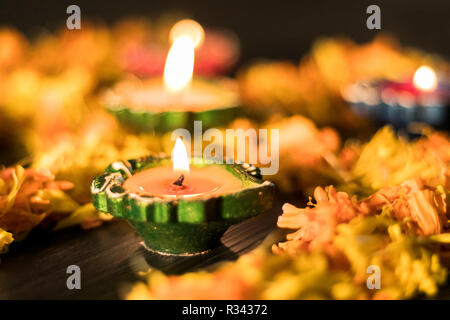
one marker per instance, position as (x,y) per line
(175,101)
(146,106)
(177,208)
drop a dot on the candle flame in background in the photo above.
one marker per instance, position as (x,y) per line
(188,28)
(179,65)
(425,79)
(180,158)
(185,35)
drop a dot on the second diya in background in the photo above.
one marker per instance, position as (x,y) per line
(175,100)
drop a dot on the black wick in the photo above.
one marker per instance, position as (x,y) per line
(179,181)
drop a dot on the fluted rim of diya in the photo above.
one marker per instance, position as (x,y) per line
(256,195)
(219,111)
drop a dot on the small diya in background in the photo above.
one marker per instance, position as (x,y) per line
(143,54)
(424,98)
(180,209)
(175,101)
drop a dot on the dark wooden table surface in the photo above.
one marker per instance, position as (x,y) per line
(108,257)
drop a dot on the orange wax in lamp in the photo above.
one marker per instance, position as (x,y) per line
(182,181)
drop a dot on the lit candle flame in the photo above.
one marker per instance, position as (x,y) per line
(185,36)
(180,158)
(179,65)
(425,79)
(188,28)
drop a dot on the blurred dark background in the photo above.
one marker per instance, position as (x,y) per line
(275,29)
